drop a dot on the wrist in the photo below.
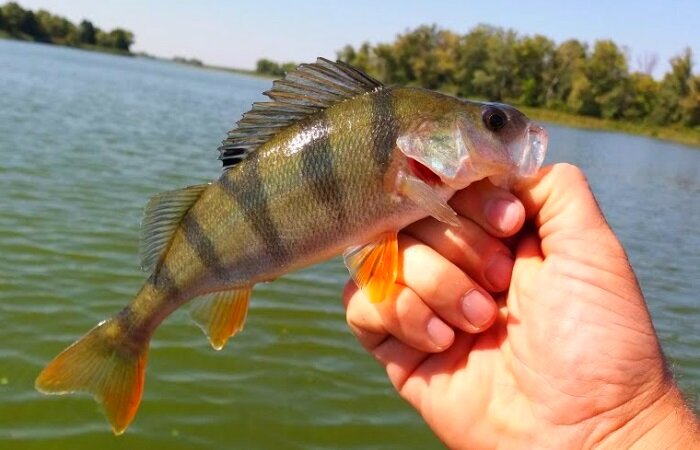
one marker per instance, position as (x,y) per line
(666,423)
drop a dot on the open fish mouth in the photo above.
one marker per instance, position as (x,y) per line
(534,150)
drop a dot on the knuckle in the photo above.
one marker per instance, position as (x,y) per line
(355,316)
(570,173)
(403,308)
(348,292)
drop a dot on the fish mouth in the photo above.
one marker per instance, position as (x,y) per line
(533,152)
(526,156)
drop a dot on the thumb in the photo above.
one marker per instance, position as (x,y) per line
(565,212)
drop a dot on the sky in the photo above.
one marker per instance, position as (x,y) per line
(238,33)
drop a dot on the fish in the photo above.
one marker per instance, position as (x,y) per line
(335,163)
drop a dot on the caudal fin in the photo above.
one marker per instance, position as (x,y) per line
(106,363)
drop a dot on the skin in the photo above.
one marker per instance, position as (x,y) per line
(567,357)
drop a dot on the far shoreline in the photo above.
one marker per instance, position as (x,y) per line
(676,134)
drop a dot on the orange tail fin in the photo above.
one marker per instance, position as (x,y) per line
(106,363)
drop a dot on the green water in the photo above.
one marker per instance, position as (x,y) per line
(87,138)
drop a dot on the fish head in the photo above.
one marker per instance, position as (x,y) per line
(477,141)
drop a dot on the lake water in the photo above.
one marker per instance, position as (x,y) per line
(87,138)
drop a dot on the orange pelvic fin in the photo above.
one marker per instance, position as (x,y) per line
(221,315)
(374,266)
(105,363)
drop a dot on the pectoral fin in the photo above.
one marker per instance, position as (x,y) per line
(425,196)
(221,315)
(374,266)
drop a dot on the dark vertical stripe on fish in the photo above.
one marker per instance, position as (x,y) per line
(318,170)
(202,245)
(384,127)
(164,282)
(246,188)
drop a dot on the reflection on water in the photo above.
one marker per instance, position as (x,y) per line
(87,138)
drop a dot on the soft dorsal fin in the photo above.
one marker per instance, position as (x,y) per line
(163,214)
(304,91)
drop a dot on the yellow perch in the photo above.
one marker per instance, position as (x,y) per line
(334,163)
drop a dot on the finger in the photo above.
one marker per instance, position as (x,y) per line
(566,213)
(484,258)
(400,360)
(365,323)
(418,375)
(495,209)
(412,372)
(560,190)
(402,314)
(528,261)
(445,288)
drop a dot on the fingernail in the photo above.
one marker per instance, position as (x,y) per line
(503,214)
(498,271)
(439,333)
(477,309)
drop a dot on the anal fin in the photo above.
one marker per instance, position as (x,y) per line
(374,266)
(221,314)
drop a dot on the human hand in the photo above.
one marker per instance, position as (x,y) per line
(570,359)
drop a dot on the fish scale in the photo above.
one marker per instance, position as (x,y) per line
(335,163)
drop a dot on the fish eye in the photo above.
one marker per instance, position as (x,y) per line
(494,118)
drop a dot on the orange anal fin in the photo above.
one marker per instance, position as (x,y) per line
(374,266)
(221,314)
(107,365)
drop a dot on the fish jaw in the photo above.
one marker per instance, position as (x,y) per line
(517,151)
(532,153)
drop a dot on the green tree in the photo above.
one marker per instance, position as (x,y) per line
(287,67)
(534,58)
(362,58)
(121,39)
(495,80)
(567,67)
(472,57)
(690,104)
(13,17)
(643,93)
(347,54)
(498,64)
(387,67)
(267,66)
(23,22)
(426,57)
(87,34)
(581,98)
(675,87)
(607,74)
(59,29)
(118,39)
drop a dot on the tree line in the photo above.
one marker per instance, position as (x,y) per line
(501,65)
(42,26)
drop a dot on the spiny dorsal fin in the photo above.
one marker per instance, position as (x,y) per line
(163,214)
(304,91)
